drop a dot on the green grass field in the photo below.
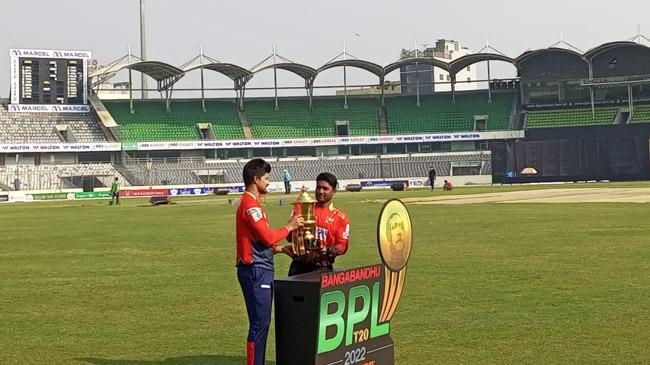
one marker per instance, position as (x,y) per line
(88,283)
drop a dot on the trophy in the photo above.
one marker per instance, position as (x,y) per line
(304,238)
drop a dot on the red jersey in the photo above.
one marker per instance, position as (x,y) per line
(333,230)
(255,239)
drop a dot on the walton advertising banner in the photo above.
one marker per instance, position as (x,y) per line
(59,147)
(328,141)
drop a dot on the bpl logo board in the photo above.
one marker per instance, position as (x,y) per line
(356,305)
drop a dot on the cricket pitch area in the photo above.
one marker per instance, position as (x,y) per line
(572,195)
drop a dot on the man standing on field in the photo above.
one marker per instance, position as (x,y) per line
(256,245)
(332,230)
(115,192)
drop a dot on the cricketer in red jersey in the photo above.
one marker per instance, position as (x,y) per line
(332,230)
(256,245)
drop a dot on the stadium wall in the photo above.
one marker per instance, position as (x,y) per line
(615,153)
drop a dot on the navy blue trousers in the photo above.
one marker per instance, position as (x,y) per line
(257,285)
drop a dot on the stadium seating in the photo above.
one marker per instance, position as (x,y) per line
(344,167)
(294,119)
(641,114)
(41,127)
(50,177)
(437,112)
(362,114)
(164,173)
(151,122)
(571,117)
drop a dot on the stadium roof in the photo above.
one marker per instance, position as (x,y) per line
(236,73)
(165,74)
(458,64)
(365,65)
(304,71)
(416,60)
(529,54)
(230,70)
(590,54)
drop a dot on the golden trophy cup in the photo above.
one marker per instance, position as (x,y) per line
(304,238)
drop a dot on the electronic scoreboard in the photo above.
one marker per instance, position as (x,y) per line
(49,81)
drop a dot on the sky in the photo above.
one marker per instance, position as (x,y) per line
(310,32)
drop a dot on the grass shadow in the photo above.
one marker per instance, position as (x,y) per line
(183,360)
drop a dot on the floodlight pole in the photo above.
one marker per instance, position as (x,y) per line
(345,79)
(131,110)
(489,87)
(202,80)
(417,77)
(417,84)
(143,49)
(487,46)
(275,79)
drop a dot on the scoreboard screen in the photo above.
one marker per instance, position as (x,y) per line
(49,80)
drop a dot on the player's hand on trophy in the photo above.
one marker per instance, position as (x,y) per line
(294,223)
(288,249)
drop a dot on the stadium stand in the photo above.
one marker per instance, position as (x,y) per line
(150,121)
(56,177)
(438,113)
(641,114)
(294,119)
(48,127)
(553,88)
(163,174)
(571,117)
(196,170)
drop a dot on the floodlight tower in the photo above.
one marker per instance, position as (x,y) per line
(143,49)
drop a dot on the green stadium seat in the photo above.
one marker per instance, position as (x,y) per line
(571,117)
(150,122)
(294,119)
(438,114)
(641,114)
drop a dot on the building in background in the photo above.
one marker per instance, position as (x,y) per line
(113,90)
(390,88)
(432,79)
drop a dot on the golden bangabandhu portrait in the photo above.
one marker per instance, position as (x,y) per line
(395,235)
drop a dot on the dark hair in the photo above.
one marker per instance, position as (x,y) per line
(328,177)
(255,167)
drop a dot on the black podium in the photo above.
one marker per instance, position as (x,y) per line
(347,305)
(297,302)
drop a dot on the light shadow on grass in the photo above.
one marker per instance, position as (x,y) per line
(183,360)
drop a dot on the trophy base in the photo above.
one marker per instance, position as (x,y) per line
(312,245)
